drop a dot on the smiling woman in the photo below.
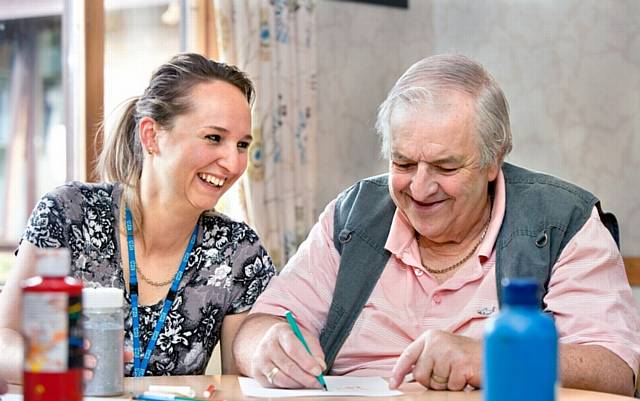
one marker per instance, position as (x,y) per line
(208,131)
(189,273)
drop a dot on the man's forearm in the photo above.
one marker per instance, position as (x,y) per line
(592,367)
(249,336)
(11,349)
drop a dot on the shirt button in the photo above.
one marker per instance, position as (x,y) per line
(418,272)
(437,299)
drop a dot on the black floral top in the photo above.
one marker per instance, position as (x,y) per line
(227,269)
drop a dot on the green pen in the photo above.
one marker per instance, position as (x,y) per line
(162,397)
(296,331)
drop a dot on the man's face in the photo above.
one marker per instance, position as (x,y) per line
(435,177)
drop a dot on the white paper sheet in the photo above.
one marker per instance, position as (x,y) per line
(18,397)
(338,386)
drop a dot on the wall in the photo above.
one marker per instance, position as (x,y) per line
(362,49)
(570,69)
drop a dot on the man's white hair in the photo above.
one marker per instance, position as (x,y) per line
(429,80)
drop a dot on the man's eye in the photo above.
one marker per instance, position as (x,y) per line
(447,170)
(402,166)
(214,138)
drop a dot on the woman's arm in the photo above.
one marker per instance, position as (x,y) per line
(230,326)
(11,344)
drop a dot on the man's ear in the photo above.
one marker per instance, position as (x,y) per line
(492,171)
(147,130)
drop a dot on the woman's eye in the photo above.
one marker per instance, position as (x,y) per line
(243,145)
(214,138)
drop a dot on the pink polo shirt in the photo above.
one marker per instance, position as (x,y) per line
(589,294)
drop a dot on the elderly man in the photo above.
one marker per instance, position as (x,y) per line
(400,272)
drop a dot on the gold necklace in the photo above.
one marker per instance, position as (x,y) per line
(151,282)
(460,262)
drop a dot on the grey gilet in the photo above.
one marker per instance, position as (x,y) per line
(542,214)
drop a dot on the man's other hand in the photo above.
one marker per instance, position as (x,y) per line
(441,361)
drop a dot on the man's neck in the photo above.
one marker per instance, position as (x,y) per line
(453,249)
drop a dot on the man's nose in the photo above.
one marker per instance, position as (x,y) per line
(423,183)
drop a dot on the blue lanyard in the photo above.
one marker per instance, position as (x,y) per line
(140,366)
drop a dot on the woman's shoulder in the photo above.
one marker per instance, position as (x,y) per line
(73,198)
(55,219)
(219,228)
(75,191)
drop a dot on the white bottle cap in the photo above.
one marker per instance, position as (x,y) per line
(53,262)
(102,298)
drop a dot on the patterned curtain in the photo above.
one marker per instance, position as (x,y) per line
(274,42)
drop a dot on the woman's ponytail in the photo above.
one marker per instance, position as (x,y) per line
(121,156)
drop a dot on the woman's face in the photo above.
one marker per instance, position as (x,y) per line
(204,152)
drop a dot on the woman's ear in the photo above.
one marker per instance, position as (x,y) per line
(147,129)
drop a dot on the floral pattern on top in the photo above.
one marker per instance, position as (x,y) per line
(226,271)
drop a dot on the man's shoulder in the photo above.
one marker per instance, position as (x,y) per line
(536,186)
(538,204)
(366,206)
(377,180)
(378,184)
(365,192)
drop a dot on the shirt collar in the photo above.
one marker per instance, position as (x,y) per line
(402,238)
(497,215)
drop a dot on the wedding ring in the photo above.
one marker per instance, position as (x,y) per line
(271,374)
(440,379)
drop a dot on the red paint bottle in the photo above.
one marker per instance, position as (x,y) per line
(52,329)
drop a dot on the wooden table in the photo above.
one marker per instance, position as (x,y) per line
(229,390)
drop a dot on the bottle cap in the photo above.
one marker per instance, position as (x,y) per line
(102,298)
(53,262)
(520,291)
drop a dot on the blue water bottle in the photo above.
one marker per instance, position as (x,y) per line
(520,347)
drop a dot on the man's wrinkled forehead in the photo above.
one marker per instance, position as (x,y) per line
(425,100)
(438,110)
(408,120)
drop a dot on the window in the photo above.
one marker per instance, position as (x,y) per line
(42,145)
(32,132)
(139,36)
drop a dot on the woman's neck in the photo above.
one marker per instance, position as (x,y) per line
(166,225)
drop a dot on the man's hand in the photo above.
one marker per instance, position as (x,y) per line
(441,361)
(280,359)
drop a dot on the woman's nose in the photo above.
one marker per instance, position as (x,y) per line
(232,159)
